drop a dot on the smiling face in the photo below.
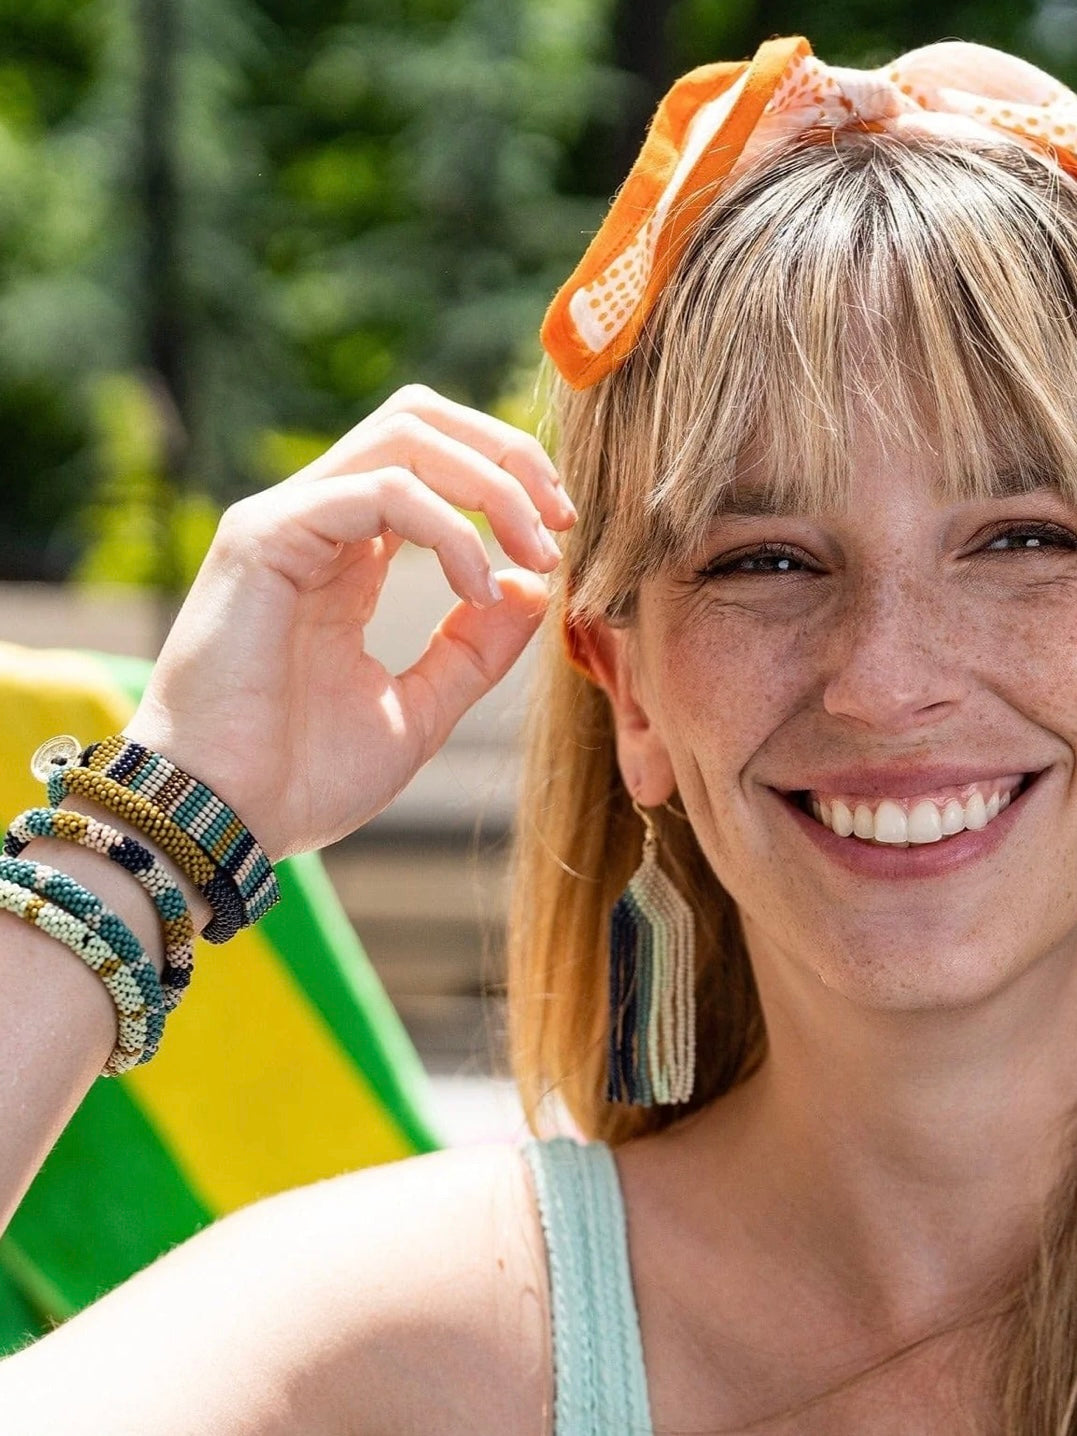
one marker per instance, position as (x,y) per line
(901,651)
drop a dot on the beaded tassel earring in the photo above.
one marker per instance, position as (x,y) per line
(652,1040)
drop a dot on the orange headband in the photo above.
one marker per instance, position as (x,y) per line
(717,119)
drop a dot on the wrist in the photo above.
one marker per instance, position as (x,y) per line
(152,727)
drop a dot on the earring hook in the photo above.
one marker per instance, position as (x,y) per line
(645,817)
(650,834)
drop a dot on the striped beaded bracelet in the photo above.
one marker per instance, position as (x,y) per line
(189,822)
(167,835)
(127,998)
(176,926)
(141,813)
(198,811)
(62,889)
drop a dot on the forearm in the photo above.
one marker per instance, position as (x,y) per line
(57,1021)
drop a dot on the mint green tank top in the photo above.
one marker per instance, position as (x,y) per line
(600,1385)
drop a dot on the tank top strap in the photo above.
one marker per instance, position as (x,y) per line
(600,1384)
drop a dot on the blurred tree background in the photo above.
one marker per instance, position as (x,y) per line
(229,228)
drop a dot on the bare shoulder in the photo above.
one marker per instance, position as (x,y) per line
(402,1299)
(464,1304)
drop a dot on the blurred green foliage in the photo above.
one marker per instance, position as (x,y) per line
(221,247)
(137,530)
(364,194)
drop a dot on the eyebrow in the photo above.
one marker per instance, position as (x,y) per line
(754,501)
(1011,483)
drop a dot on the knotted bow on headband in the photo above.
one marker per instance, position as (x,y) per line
(718,118)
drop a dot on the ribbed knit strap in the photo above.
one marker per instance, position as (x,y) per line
(600,1385)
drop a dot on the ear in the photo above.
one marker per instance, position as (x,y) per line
(607,656)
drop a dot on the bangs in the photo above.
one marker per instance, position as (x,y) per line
(918,292)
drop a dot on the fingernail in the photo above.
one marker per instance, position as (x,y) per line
(494,590)
(549,547)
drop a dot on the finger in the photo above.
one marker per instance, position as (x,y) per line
(390,504)
(468,653)
(510,448)
(506,447)
(464,477)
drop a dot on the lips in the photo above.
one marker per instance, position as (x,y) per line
(912,860)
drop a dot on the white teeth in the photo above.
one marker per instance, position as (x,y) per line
(976,812)
(863,822)
(925,823)
(953,818)
(841,820)
(890,823)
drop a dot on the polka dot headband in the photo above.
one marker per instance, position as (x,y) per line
(717,119)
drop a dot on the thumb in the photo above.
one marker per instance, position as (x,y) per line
(470,650)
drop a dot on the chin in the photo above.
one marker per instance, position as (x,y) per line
(896,965)
(941,975)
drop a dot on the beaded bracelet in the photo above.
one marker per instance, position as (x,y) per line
(139,813)
(163,832)
(131,1012)
(62,889)
(189,822)
(176,926)
(198,811)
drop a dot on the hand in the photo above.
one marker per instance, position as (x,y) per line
(264,689)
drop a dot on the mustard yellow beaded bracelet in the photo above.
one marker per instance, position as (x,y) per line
(146,817)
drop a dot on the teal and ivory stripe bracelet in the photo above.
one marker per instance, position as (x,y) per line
(62,889)
(75,827)
(130,1048)
(198,811)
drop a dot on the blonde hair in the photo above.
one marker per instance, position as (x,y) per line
(928,287)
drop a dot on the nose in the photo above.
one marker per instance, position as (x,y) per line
(896,659)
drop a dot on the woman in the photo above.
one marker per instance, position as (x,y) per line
(821,611)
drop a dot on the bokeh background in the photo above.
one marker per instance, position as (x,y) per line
(230,228)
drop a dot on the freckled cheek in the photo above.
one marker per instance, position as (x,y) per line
(723,694)
(1029,656)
